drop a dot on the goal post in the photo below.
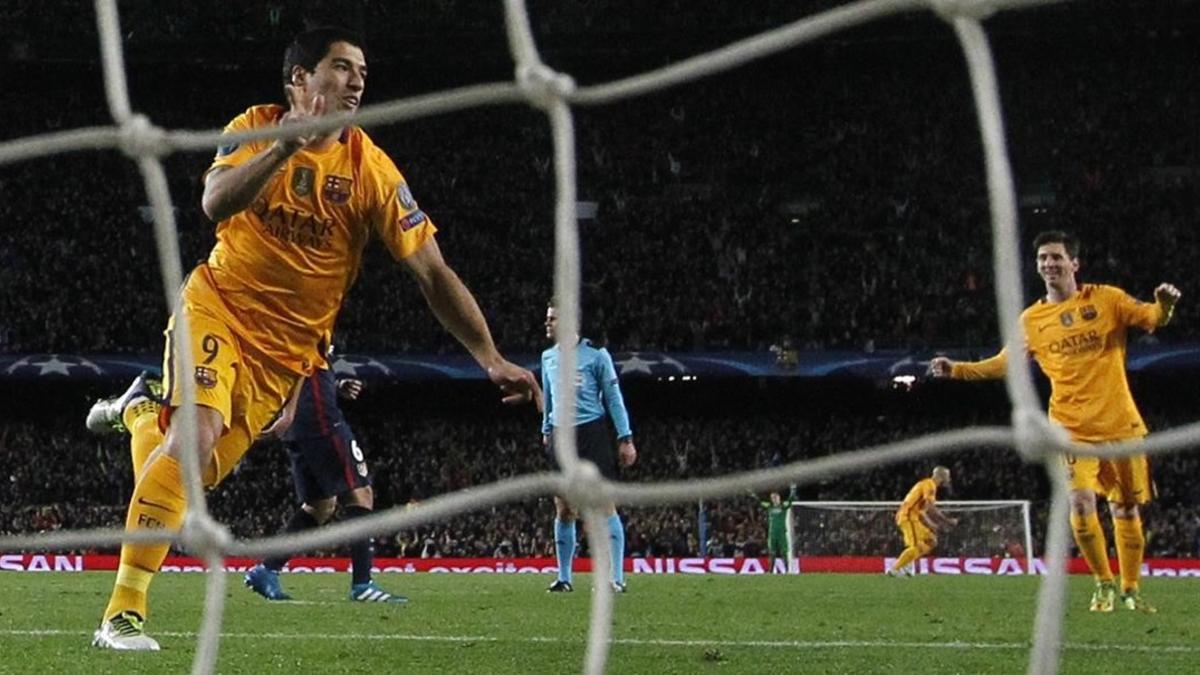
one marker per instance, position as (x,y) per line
(986,528)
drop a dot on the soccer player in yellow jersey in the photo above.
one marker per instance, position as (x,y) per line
(919,519)
(293,216)
(1077,334)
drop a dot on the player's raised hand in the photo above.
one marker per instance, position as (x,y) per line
(1167,294)
(940,366)
(301,108)
(516,383)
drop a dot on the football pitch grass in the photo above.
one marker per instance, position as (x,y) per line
(498,624)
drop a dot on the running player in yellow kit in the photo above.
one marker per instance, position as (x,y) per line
(919,519)
(1077,334)
(293,217)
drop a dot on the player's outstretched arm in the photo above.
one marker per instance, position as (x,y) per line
(457,311)
(988,369)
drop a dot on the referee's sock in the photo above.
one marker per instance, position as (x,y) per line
(564,547)
(301,520)
(362,553)
(616,531)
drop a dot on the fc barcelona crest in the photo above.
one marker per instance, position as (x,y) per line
(206,378)
(302,181)
(336,189)
(1067,318)
(1088,312)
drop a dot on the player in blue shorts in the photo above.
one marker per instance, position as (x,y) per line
(599,395)
(328,468)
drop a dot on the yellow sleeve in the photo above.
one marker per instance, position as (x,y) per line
(235,154)
(923,493)
(394,213)
(1133,312)
(910,500)
(930,489)
(987,369)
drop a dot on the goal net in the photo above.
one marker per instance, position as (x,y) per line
(986,529)
(557,95)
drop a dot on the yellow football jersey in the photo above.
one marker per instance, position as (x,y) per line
(919,498)
(281,267)
(1080,346)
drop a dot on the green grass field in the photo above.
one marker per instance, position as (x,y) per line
(666,624)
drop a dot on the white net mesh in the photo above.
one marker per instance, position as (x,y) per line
(555,93)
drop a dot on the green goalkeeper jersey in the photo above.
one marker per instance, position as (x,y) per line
(777,518)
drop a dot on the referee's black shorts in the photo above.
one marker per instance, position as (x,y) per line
(595,443)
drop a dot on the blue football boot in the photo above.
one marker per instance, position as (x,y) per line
(265,582)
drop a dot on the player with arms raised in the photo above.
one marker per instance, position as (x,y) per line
(1077,334)
(777,509)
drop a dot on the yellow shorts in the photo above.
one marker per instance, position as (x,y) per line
(1120,481)
(917,534)
(231,377)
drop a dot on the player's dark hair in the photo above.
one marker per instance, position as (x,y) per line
(587,328)
(309,47)
(1069,241)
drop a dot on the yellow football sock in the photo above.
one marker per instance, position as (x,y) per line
(909,555)
(1131,548)
(143,408)
(142,421)
(129,593)
(158,501)
(1089,536)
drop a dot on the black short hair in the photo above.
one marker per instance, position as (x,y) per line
(1069,241)
(587,323)
(309,47)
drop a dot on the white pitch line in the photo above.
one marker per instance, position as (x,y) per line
(285,603)
(654,642)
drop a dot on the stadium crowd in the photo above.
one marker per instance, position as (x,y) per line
(839,220)
(417,457)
